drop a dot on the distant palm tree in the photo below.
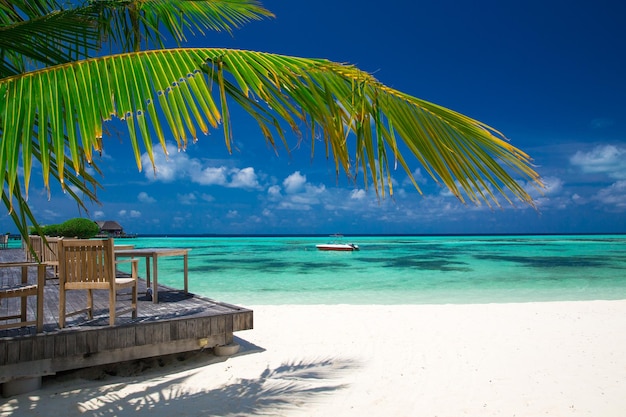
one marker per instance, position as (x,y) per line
(57,88)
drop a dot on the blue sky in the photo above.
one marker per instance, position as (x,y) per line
(550,75)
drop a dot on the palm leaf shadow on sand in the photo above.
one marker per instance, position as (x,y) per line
(290,385)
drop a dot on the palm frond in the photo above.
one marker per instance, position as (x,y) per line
(127,22)
(14,11)
(198,16)
(41,33)
(36,37)
(39,144)
(188,88)
(83,188)
(21,217)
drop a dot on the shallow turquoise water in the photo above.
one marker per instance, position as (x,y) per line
(398,270)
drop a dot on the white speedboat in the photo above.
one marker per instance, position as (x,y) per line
(337,245)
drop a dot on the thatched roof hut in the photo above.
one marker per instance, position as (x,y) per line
(110,227)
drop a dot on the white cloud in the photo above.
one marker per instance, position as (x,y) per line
(167,168)
(186,199)
(304,199)
(606,159)
(417,176)
(131,213)
(232,214)
(299,195)
(553,185)
(552,195)
(211,176)
(255,219)
(51,213)
(614,196)
(294,205)
(294,183)
(578,199)
(310,196)
(609,160)
(145,198)
(274,192)
(98,214)
(482,204)
(244,178)
(314,190)
(178,165)
(358,194)
(207,197)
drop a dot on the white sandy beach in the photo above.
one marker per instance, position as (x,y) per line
(530,359)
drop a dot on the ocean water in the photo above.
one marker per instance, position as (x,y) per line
(397,270)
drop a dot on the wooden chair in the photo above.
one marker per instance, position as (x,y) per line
(38,249)
(23,289)
(33,248)
(49,251)
(89,264)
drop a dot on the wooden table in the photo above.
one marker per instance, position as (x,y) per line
(155,254)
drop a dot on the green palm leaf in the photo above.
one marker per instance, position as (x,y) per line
(333,101)
(127,23)
(40,33)
(55,115)
(43,33)
(82,187)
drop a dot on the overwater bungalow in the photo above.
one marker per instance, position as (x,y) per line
(111,228)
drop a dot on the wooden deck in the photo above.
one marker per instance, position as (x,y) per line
(178,323)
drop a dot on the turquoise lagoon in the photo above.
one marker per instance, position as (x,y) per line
(398,269)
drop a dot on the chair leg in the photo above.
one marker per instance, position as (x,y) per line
(90,304)
(112,307)
(61,306)
(41,279)
(23,308)
(24,300)
(134,301)
(134,273)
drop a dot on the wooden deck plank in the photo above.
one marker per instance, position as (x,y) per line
(179,322)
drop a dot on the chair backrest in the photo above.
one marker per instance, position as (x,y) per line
(86,263)
(33,248)
(50,249)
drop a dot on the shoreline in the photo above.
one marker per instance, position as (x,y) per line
(325,235)
(525,359)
